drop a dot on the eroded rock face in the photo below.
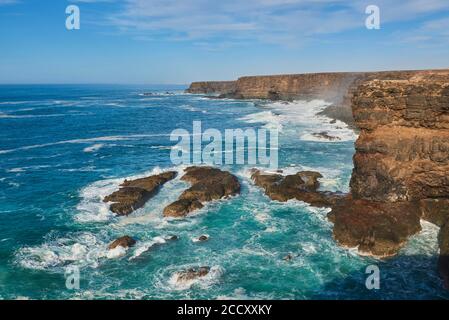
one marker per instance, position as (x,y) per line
(400,166)
(403,150)
(379,229)
(301,186)
(208,184)
(133,195)
(125,242)
(192,274)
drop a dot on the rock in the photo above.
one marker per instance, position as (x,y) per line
(288,257)
(125,242)
(203,238)
(192,274)
(325,135)
(207,184)
(379,229)
(172,238)
(435,211)
(301,186)
(181,208)
(133,195)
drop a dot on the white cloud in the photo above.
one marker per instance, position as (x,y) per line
(272,21)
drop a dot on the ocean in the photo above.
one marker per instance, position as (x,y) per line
(63,148)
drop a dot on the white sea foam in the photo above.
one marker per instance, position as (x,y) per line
(93,209)
(303,114)
(84,141)
(94,148)
(146,246)
(117,252)
(82,249)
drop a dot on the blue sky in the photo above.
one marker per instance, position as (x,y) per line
(179,41)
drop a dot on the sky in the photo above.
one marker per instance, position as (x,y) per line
(180,41)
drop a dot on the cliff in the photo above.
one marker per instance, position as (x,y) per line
(336,87)
(401,164)
(212,87)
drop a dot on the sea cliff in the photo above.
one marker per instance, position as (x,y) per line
(401,163)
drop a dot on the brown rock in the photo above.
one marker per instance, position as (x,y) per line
(125,242)
(301,186)
(208,184)
(181,208)
(134,194)
(192,274)
(376,228)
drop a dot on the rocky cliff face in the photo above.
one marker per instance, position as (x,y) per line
(212,87)
(401,165)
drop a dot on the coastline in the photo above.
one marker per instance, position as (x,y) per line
(402,153)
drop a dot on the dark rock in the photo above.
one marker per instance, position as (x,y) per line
(134,194)
(301,186)
(172,238)
(208,184)
(376,228)
(325,135)
(125,242)
(181,208)
(435,211)
(288,257)
(203,238)
(192,274)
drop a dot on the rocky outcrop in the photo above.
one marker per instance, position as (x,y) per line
(124,242)
(401,164)
(133,195)
(302,186)
(207,184)
(192,274)
(212,87)
(379,229)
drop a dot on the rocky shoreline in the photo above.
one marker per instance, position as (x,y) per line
(401,162)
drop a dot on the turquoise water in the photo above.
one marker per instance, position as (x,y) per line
(65,147)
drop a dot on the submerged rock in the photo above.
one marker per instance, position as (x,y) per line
(124,242)
(192,274)
(379,229)
(134,194)
(301,186)
(325,135)
(208,184)
(288,257)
